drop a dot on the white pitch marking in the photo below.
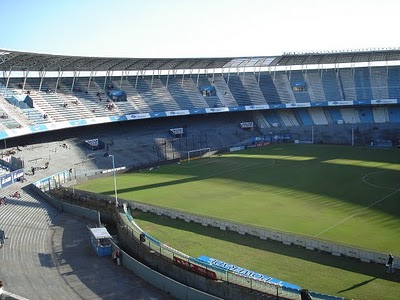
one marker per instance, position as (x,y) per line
(360,211)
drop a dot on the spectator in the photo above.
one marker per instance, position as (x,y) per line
(117,257)
(1,289)
(389,264)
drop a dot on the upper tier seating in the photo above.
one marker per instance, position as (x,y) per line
(314,85)
(203,80)
(66,99)
(331,85)
(297,77)
(347,80)
(250,83)
(363,84)
(184,92)
(268,88)
(237,89)
(284,88)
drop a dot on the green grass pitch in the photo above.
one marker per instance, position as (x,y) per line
(348,195)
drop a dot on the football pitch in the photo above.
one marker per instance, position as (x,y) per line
(347,195)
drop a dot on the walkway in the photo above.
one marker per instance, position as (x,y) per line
(47,254)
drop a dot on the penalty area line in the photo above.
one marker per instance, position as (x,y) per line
(360,211)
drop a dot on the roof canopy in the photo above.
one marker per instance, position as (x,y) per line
(337,57)
(23,61)
(100,233)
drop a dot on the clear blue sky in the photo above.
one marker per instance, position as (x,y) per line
(196,28)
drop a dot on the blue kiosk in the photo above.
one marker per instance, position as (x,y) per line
(100,240)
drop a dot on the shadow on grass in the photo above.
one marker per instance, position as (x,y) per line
(354,286)
(329,172)
(319,257)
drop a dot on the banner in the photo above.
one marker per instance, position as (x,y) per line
(137,116)
(238,148)
(339,103)
(177,131)
(244,125)
(295,105)
(384,101)
(246,273)
(256,107)
(177,113)
(216,110)
(195,268)
(11,178)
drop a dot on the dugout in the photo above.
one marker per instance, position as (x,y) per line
(100,240)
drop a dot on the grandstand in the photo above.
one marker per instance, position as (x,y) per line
(341,98)
(172,87)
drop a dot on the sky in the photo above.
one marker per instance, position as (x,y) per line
(196,28)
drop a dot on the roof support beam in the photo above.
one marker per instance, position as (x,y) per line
(166,85)
(73,82)
(25,77)
(42,74)
(120,82)
(105,80)
(152,79)
(58,78)
(90,80)
(76,78)
(198,75)
(183,76)
(8,78)
(137,78)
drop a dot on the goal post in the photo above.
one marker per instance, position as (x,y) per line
(198,153)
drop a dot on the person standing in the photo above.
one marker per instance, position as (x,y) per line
(116,255)
(1,289)
(389,264)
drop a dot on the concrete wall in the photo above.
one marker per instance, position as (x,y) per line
(170,286)
(67,207)
(266,234)
(143,261)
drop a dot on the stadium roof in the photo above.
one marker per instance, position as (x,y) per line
(22,61)
(366,56)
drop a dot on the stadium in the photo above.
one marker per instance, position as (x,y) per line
(71,121)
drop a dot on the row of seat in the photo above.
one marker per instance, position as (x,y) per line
(83,98)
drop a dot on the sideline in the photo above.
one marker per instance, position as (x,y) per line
(360,211)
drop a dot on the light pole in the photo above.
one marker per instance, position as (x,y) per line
(352,132)
(115,178)
(312,134)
